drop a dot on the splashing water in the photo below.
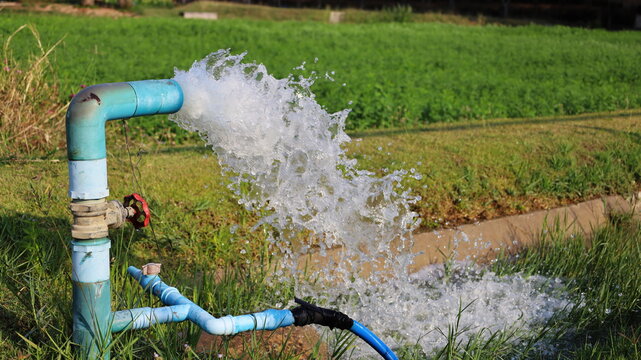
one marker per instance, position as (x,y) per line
(285,150)
(283,153)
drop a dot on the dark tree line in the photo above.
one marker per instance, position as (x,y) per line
(605,13)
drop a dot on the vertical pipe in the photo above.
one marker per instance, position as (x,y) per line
(90,277)
(91,297)
(86,149)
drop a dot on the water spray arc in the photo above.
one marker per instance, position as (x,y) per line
(93,215)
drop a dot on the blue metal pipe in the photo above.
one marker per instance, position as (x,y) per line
(228,325)
(364,333)
(86,117)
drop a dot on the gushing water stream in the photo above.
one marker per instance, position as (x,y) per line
(284,155)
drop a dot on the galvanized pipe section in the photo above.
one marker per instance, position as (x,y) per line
(88,112)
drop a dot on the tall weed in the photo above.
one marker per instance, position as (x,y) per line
(401,13)
(30,112)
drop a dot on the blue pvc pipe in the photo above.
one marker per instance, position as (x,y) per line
(228,325)
(91,108)
(91,319)
(142,318)
(364,333)
(181,308)
(88,112)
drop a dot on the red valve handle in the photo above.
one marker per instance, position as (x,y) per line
(136,202)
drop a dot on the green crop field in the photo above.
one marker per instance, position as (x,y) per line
(395,74)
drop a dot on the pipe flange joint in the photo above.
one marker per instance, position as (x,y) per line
(89,219)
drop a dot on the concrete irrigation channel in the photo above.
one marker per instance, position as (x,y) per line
(480,242)
(483,241)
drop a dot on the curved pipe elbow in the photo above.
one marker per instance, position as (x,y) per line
(217,326)
(91,108)
(227,325)
(88,112)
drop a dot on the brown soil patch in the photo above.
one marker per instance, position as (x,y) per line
(66,9)
(304,342)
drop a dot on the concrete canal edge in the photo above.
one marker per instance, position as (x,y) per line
(483,241)
(480,241)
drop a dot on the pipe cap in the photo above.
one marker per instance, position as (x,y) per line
(151,269)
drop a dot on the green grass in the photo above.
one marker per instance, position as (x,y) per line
(200,232)
(602,275)
(605,282)
(395,74)
(199,228)
(471,171)
(474,171)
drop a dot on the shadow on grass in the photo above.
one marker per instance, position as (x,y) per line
(34,254)
(636,137)
(204,149)
(483,125)
(36,287)
(617,336)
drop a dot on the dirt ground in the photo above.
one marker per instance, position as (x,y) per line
(293,340)
(64,9)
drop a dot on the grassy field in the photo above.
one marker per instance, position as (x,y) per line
(199,229)
(472,170)
(395,74)
(194,244)
(476,171)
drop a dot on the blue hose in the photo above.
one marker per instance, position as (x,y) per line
(308,313)
(364,333)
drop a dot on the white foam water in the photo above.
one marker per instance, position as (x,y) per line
(284,155)
(470,301)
